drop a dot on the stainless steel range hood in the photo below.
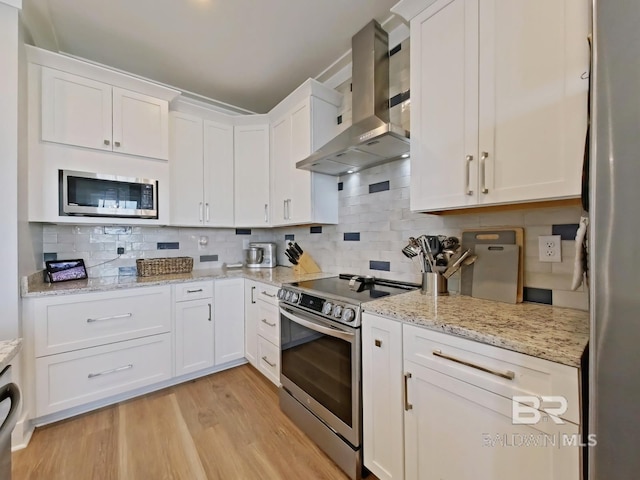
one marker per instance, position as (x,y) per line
(372,139)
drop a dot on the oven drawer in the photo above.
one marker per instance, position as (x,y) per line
(73,322)
(269,360)
(76,378)
(193,291)
(495,369)
(269,322)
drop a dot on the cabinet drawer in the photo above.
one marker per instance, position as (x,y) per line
(269,360)
(267,293)
(80,321)
(193,291)
(487,367)
(269,322)
(75,378)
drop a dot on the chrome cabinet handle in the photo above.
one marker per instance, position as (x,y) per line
(264,320)
(117,144)
(110,317)
(209,311)
(201,215)
(268,294)
(468,177)
(266,213)
(407,405)
(194,291)
(107,142)
(268,362)
(206,209)
(108,372)
(483,172)
(284,209)
(509,375)
(253,289)
(378,343)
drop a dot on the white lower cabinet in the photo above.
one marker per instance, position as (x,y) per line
(194,347)
(229,320)
(74,378)
(429,412)
(262,323)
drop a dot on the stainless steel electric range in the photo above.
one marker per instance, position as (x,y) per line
(321,360)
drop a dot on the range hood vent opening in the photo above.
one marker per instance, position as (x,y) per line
(371,139)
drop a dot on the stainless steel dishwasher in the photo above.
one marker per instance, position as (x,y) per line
(9,409)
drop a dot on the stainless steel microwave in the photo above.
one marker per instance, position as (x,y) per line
(102,195)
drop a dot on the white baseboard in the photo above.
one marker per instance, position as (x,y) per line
(22,433)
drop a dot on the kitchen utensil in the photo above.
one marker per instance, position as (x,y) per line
(455,266)
(297,248)
(253,255)
(291,259)
(428,252)
(450,243)
(410,251)
(470,260)
(503,235)
(434,284)
(495,273)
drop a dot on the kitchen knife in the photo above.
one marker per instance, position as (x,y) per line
(291,259)
(297,248)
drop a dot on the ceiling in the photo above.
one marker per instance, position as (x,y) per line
(247,53)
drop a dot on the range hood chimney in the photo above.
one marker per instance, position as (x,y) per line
(371,139)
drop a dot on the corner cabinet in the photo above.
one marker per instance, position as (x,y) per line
(83,112)
(303,122)
(229,320)
(428,413)
(499,110)
(251,164)
(201,171)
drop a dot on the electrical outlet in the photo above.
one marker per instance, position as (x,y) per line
(550,248)
(120,250)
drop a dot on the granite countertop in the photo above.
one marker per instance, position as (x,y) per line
(34,286)
(552,333)
(8,350)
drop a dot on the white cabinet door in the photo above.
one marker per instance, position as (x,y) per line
(140,124)
(187,205)
(194,336)
(229,320)
(499,111)
(75,110)
(218,174)
(251,322)
(533,100)
(444,105)
(281,170)
(251,160)
(455,430)
(382,408)
(299,196)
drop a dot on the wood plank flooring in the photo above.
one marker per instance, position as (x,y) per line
(224,426)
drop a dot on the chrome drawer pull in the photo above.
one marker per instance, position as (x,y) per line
(483,171)
(268,362)
(111,317)
(509,375)
(194,291)
(113,370)
(407,405)
(264,320)
(268,294)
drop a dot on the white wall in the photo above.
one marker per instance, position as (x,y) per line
(9,279)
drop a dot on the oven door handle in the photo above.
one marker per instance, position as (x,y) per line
(332,332)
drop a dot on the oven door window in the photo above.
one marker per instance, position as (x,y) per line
(320,365)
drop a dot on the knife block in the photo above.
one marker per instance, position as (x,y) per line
(306,264)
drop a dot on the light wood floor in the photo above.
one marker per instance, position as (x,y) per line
(224,426)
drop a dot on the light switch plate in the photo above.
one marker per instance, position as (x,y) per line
(550,248)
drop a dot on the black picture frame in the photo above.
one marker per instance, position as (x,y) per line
(66,270)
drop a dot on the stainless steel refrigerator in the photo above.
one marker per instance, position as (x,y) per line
(614,380)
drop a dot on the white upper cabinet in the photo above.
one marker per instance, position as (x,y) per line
(83,112)
(201,169)
(302,123)
(499,109)
(251,162)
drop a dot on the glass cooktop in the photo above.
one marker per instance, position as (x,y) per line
(363,289)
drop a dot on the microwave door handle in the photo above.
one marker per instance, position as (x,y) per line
(332,332)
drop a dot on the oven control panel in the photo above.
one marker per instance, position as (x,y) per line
(331,309)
